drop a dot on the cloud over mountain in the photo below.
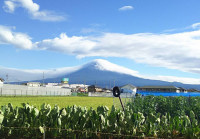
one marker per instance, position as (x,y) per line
(98,69)
(175,51)
(179,51)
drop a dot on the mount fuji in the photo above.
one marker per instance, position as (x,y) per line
(99,72)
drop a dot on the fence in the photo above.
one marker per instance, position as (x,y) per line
(122,95)
(22,90)
(49,132)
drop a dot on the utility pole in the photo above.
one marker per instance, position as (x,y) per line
(7,78)
(84,86)
(43,79)
(114,82)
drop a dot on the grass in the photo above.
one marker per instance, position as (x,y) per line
(60,101)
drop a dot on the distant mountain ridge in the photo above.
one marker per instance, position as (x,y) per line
(99,72)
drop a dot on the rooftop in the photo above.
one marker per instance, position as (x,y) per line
(159,87)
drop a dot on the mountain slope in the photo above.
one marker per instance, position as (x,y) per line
(109,79)
(99,72)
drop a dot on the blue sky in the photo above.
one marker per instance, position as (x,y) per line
(153,37)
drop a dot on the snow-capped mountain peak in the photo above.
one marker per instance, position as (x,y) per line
(37,74)
(102,64)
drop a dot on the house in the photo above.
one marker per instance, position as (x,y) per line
(1,80)
(94,88)
(181,89)
(128,88)
(78,85)
(33,84)
(105,90)
(54,85)
(82,89)
(193,90)
(158,89)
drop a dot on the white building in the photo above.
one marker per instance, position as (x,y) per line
(1,82)
(78,86)
(65,85)
(129,88)
(54,85)
(33,84)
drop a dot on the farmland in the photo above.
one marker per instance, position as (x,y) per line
(60,101)
(150,116)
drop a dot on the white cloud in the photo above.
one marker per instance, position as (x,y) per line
(19,40)
(179,51)
(196,26)
(175,51)
(177,79)
(93,28)
(69,45)
(33,9)
(9,6)
(124,8)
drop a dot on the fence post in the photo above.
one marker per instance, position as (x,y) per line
(1,91)
(44,132)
